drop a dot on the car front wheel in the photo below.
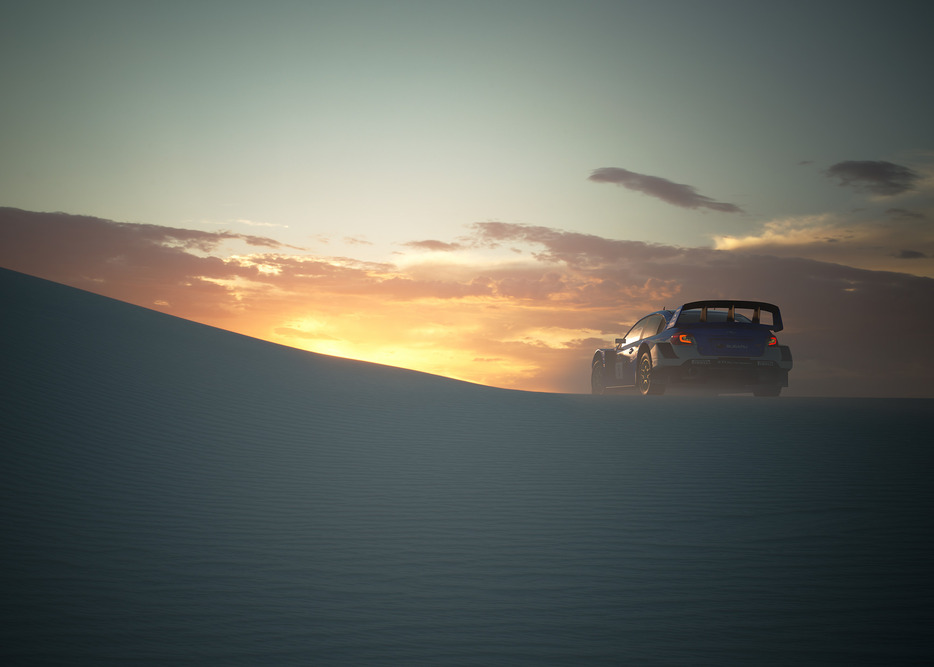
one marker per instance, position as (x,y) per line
(644,377)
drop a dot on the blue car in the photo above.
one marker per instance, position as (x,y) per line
(722,345)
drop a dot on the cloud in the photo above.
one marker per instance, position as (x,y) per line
(131,259)
(875,176)
(433,245)
(903,213)
(868,240)
(539,315)
(573,248)
(678,194)
(823,303)
(909,254)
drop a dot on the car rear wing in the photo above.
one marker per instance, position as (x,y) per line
(755,306)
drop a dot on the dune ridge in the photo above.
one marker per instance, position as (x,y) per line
(177,494)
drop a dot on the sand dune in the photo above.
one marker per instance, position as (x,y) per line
(178,494)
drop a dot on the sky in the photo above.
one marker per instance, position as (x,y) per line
(483,190)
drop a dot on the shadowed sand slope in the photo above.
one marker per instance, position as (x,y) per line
(177,494)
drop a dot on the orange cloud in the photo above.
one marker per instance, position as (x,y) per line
(526,321)
(876,243)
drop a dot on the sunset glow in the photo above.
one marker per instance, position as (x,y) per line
(486,191)
(527,319)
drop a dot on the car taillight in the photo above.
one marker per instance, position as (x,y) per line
(682,339)
(773,341)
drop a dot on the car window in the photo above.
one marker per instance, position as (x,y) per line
(689,317)
(633,334)
(713,315)
(653,323)
(647,326)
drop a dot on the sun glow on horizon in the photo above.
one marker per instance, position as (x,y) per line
(451,338)
(525,320)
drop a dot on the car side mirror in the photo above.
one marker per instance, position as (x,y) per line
(620,341)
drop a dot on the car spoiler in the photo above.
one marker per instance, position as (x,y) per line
(756,306)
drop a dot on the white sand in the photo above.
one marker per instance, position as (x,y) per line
(177,494)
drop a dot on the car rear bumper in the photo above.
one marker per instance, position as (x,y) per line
(730,372)
(770,370)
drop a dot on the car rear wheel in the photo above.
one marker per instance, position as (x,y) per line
(644,377)
(597,379)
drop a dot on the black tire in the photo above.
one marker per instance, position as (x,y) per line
(644,381)
(767,391)
(597,379)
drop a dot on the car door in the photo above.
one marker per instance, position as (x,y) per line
(628,353)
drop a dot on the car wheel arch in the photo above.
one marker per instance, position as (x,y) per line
(647,349)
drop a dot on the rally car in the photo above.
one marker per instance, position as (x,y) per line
(723,345)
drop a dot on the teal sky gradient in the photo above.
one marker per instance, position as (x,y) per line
(405,121)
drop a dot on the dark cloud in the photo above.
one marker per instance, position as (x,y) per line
(875,176)
(678,194)
(905,214)
(909,254)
